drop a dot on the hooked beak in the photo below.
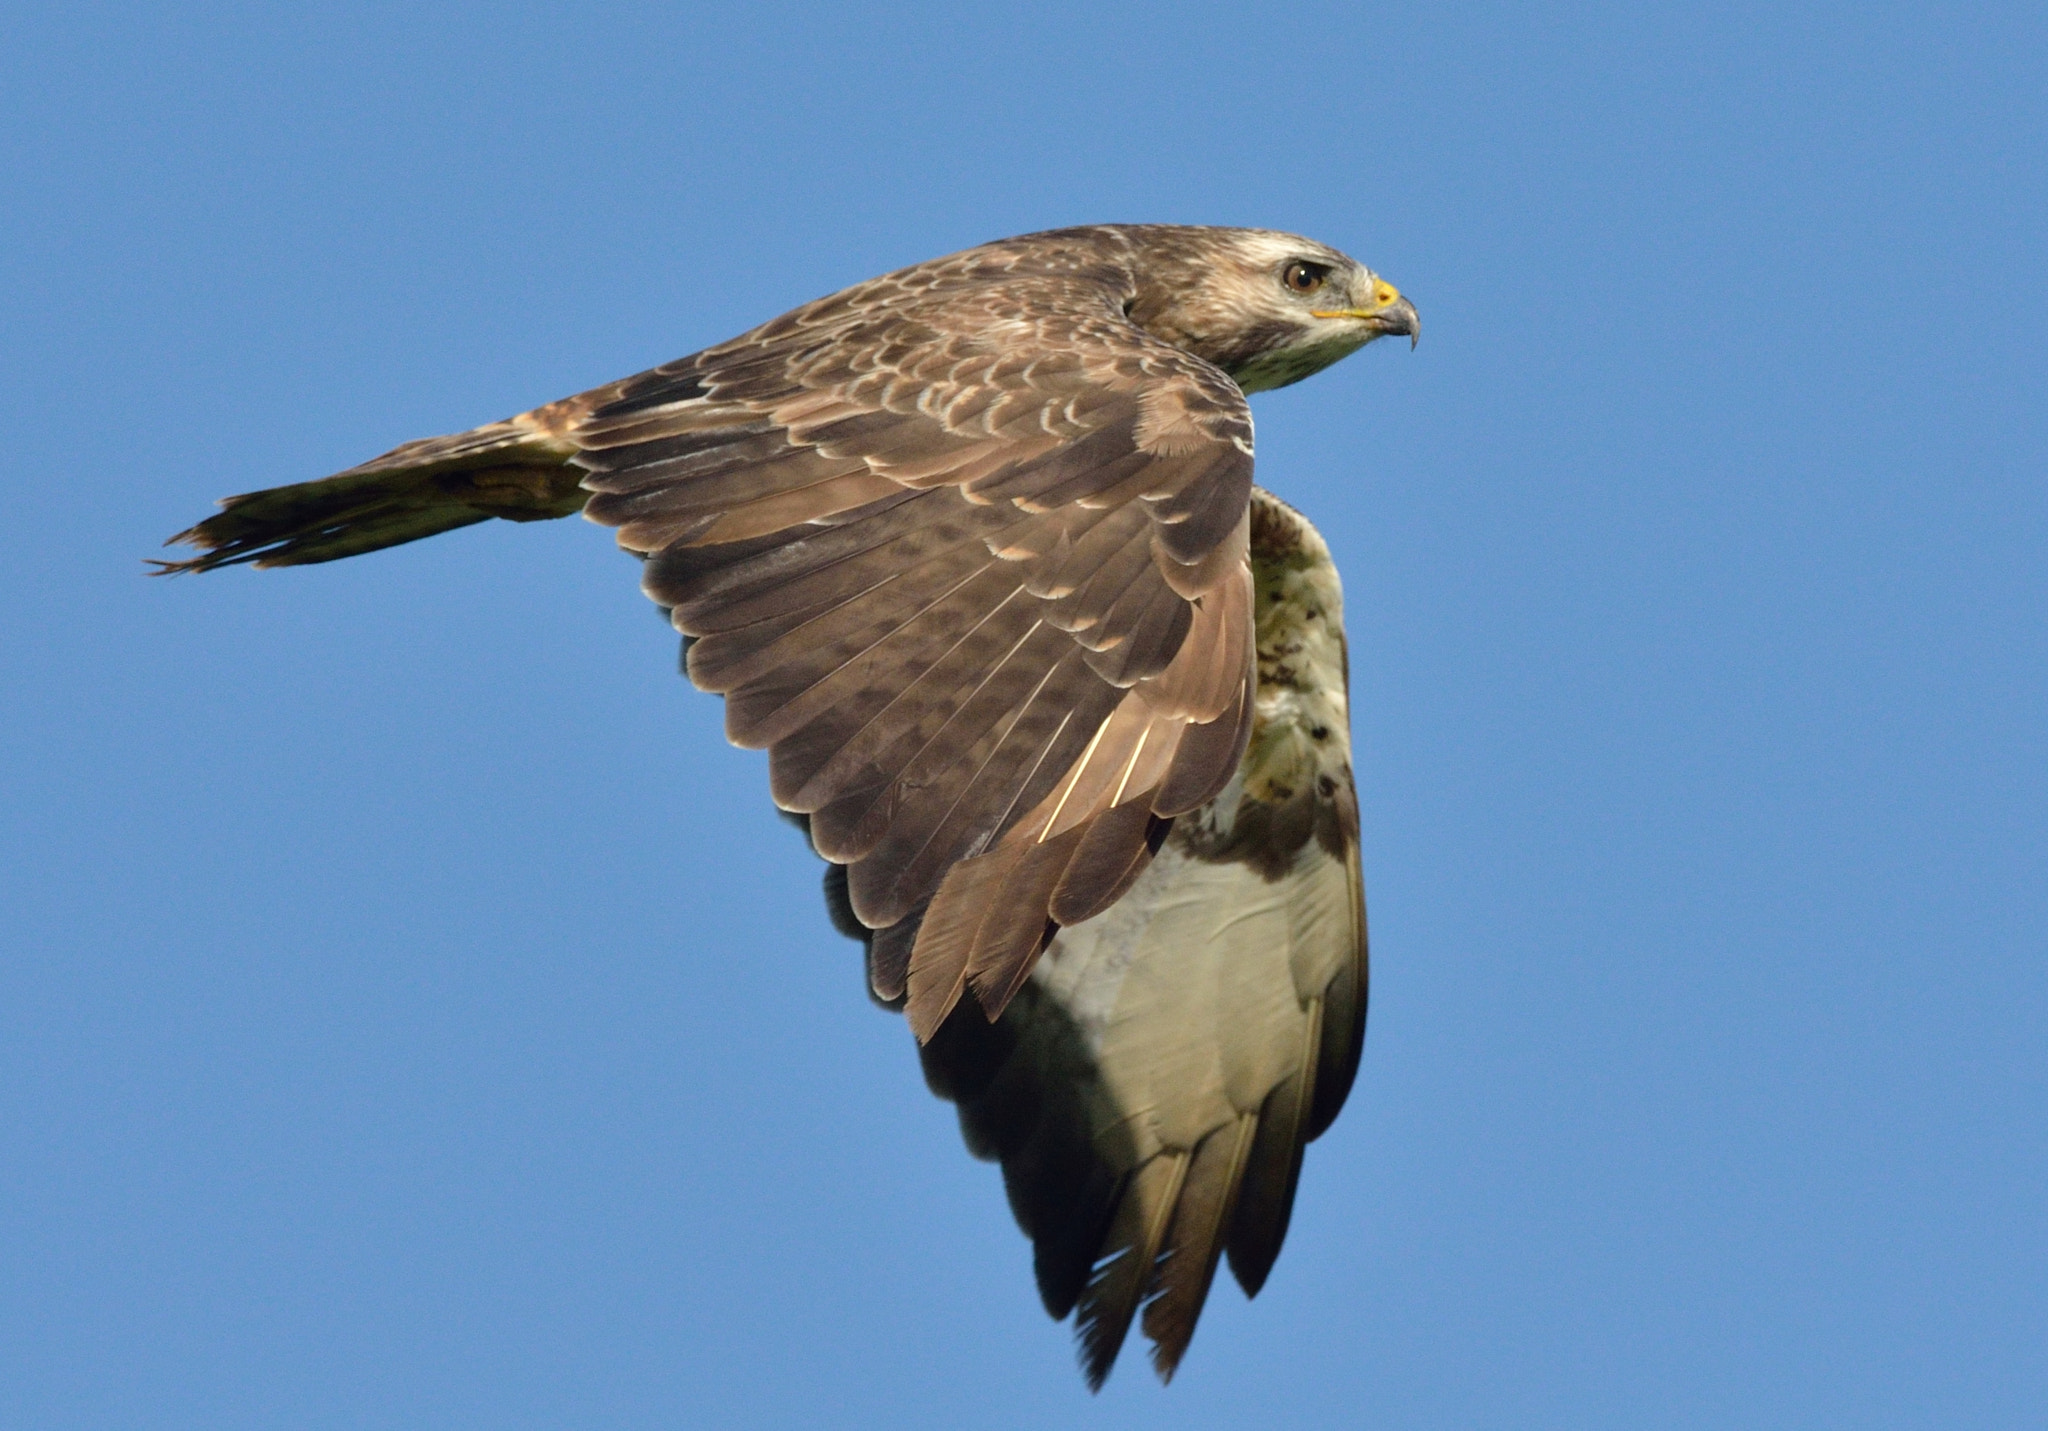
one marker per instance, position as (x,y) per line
(1392,314)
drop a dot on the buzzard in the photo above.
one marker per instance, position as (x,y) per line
(973,551)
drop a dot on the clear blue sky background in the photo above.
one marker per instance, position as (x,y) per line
(413,1015)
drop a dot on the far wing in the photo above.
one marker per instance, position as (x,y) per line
(1150,1090)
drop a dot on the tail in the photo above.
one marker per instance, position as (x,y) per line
(517,469)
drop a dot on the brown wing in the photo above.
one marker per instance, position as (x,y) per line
(968,559)
(1150,1090)
(963,549)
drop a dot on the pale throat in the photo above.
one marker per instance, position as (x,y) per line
(1281,366)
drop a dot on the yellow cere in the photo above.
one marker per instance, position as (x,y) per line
(1383,295)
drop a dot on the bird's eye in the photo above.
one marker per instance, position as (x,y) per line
(1304,277)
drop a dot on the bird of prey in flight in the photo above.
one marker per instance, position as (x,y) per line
(973,551)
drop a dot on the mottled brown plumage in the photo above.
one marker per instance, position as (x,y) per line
(966,548)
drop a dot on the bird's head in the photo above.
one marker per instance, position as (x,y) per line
(1268,308)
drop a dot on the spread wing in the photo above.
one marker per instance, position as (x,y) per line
(963,549)
(1150,1090)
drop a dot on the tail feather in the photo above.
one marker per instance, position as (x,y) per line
(509,469)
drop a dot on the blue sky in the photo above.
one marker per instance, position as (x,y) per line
(413,1015)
